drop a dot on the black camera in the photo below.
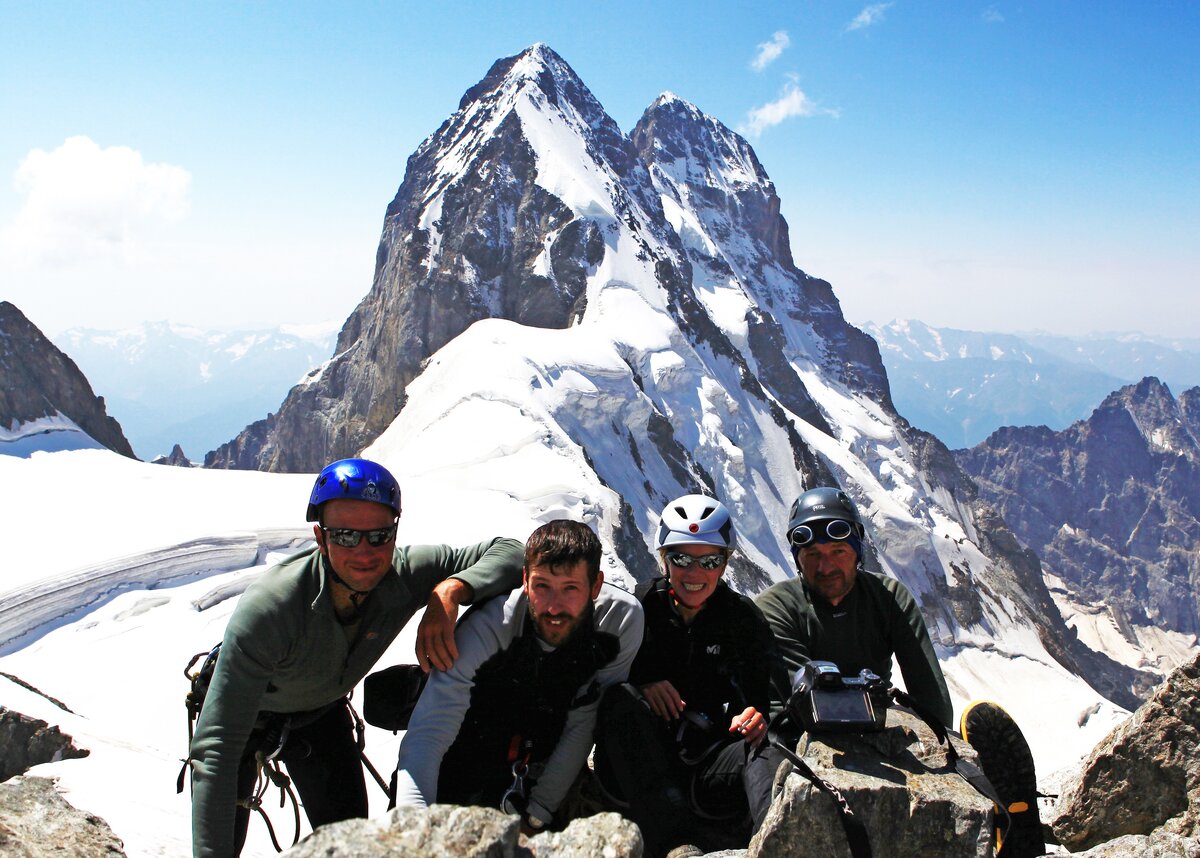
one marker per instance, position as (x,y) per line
(823,700)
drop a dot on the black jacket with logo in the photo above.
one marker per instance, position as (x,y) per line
(720,663)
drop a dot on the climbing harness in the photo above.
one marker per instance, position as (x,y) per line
(271,735)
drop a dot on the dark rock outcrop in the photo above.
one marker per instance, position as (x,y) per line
(896,781)
(37,380)
(1111,504)
(37,822)
(1145,776)
(898,785)
(27,742)
(176,459)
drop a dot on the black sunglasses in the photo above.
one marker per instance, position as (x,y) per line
(348,538)
(708,562)
(833,529)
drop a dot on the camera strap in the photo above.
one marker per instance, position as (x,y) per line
(856,832)
(968,771)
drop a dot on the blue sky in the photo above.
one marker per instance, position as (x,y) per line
(991,166)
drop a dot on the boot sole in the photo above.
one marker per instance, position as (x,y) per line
(1007,761)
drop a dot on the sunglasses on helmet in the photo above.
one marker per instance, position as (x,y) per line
(348,538)
(835,528)
(708,562)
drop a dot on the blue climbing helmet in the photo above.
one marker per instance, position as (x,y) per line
(354,479)
(823,515)
(695,520)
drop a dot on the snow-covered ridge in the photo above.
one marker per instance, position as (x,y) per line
(46,434)
(58,422)
(34,608)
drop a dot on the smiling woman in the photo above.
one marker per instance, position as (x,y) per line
(698,692)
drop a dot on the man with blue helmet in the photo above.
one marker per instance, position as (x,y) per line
(305,633)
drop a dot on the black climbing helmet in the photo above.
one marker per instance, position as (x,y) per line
(824,504)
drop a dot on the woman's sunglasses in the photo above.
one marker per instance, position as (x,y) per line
(708,562)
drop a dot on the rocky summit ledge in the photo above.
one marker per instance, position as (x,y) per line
(37,822)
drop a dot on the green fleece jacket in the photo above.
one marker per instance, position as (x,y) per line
(877,618)
(284,651)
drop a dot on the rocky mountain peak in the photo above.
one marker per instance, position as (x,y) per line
(704,170)
(534,95)
(1112,505)
(697,149)
(504,212)
(39,384)
(536,68)
(1157,415)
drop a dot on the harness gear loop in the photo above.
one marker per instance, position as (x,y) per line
(360,732)
(269,773)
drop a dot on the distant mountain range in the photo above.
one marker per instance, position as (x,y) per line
(172,384)
(1112,506)
(963,385)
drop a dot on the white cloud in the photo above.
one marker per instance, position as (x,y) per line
(768,52)
(85,203)
(792,102)
(869,16)
(991,15)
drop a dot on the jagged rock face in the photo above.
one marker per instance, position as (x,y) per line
(39,381)
(1112,504)
(36,822)
(493,243)
(896,783)
(27,742)
(1145,776)
(699,165)
(1018,578)
(1160,844)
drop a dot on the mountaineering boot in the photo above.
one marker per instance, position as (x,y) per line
(1007,762)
